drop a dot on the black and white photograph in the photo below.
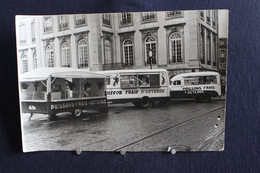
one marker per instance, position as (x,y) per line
(123,82)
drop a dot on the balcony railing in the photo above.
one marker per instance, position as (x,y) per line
(63,26)
(22,41)
(126,21)
(174,14)
(82,65)
(148,62)
(66,65)
(114,66)
(106,22)
(81,21)
(47,29)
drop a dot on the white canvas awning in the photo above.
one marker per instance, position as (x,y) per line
(59,72)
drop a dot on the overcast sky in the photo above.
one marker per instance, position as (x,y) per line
(223,23)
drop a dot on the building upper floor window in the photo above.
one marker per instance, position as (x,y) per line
(126,19)
(82,53)
(202,46)
(47,24)
(22,33)
(208,49)
(49,53)
(65,54)
(150,50)
(108,52)
(33,31)
(214,16)
(148,17)
(35,60)
(106,19)
(208,16)
(24,63)
(175,47)
(80,20)
(214,51)
(128,53)
(202,14)
(174,14)
(63,22)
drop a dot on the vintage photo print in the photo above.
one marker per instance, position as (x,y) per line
(142,81)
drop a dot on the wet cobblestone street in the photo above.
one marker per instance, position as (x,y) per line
(184,125)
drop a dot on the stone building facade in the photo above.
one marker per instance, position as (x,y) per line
(179,41)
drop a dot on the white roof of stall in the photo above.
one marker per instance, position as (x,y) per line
(59,72)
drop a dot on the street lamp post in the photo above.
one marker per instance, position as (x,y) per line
(150,58)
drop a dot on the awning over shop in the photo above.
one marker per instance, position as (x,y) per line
(58,72)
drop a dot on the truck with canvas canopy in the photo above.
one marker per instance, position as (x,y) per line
(54,90)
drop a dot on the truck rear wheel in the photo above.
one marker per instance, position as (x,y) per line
(145,102)
(205,98)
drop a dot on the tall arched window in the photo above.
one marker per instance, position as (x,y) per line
(202,48)
(108,52)
(35,65)
(128,52)
(50,56)
(208,50)
(214,51)
(65,54)
(82,52)
(150,46)
(24,63)
(175,47)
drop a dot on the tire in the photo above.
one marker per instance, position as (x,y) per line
(77,112)
(145,102)
(205,98)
